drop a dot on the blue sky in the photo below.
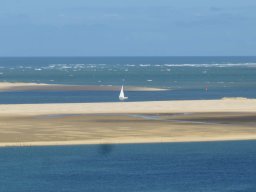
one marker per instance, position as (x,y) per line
(127,27)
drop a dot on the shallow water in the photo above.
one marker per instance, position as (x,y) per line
(187,77)
(184,167)
(173,72)
(112,96)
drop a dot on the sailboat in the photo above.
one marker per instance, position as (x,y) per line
(121,95)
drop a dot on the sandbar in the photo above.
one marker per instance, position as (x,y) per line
(186,106)
(20,86)
(127,122)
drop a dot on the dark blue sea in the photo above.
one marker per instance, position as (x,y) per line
(185,77)
(177,167)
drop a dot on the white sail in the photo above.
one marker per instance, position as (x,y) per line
(121,95)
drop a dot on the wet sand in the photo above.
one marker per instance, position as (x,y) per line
(26,130)
(127,122)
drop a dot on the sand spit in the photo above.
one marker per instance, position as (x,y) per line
(5,86)
(188,106)
(121,122)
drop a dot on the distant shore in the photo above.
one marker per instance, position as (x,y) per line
(20,86)
(133,122)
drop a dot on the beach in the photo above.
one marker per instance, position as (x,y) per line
(127,122)
(124,96)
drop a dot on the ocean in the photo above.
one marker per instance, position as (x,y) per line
(178,167)
(184,77)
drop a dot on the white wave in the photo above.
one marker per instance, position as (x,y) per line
(213,65)
(145,65)
(130,65)
(74,67)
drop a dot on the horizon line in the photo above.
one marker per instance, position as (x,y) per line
(133,56)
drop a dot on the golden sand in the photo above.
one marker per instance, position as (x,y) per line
(7,86)
(127,122)
(195,106)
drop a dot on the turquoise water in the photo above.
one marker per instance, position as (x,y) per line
(187,77)
(178,167)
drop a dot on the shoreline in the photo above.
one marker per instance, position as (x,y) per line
(20,86)
(146,107)
(122,141)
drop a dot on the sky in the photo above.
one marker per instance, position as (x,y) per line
(127,28)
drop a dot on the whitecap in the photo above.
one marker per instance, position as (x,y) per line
(145,65)
(221,65)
